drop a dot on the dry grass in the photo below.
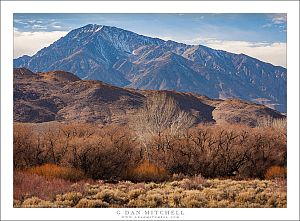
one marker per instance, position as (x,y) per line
(59,172)
(44,162)
(27,185)
(147,171)
(276,172)
(188,193)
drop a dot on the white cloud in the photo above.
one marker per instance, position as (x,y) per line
(276,20)
(32,21)
(30,42)
(274,53)
(165,38)
(268,25)
(39,27)
(279,19)
(18,21)
(56,26)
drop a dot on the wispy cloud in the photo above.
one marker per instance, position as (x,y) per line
(18,21)
(166,38)
(268,25)
(31,21)
(238,33)
(56,25)
(30,42)
(276,20)
(274,53)
(279,19)
(39,27)
(36,25)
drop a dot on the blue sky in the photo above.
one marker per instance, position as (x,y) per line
(240,33)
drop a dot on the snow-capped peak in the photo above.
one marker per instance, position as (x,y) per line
(98,28)
(91,28)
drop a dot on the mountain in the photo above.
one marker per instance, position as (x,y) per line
(62,96)
(127,59)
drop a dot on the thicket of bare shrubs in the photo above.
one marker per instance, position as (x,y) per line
(99,153)
(168,137)
(114,152)
(160,140)
(214,151)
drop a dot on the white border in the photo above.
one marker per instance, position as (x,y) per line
(7,10)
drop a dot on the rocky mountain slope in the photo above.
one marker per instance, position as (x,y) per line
(124,58)
(62,96)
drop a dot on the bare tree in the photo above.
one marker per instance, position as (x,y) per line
(160,113)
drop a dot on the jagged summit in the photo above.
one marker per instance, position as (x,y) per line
(127,59)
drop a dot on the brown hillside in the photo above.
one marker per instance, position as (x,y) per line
(62,96)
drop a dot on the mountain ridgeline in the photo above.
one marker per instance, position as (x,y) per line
(62,96)
(126,59)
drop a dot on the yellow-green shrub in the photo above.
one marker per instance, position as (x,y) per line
(35,202)
(112,196)
(87,203)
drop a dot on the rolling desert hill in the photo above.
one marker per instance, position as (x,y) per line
(127,59)
(62,96)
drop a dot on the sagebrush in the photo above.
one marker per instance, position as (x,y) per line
(195,192)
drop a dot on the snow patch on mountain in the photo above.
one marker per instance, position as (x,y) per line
(125,58)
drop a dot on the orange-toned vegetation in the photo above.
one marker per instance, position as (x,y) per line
(51,160)
(99,153)
(276,172)
(146,172)
(54,171)
(113,152)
